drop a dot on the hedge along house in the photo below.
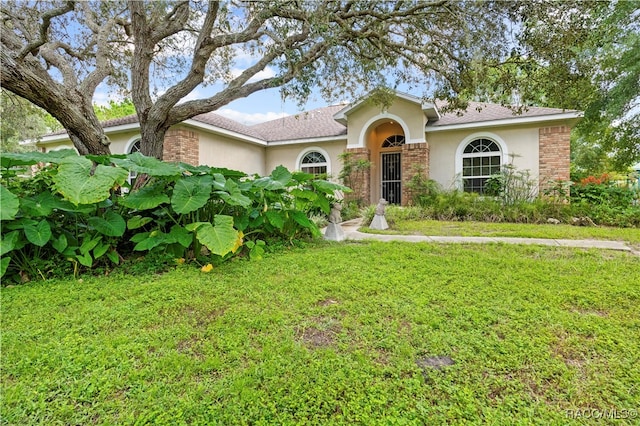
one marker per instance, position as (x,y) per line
(458,150)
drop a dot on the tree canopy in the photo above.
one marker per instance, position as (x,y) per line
(162,53)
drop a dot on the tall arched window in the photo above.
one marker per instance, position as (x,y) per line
(481,159)
(134,147)
(393,141)
(314,162)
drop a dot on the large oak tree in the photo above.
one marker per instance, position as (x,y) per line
(56,54)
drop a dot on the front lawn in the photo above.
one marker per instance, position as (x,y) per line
(357,333)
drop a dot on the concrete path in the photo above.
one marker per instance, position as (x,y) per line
(351,232)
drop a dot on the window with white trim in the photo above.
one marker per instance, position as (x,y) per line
(135,147)
(393,141)
(481,159)
(314,162)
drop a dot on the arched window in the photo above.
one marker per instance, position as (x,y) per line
(393,141)
(314,162)
(481,159)
(134,147)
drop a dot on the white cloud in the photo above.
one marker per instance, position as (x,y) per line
(250,118)
(268,72)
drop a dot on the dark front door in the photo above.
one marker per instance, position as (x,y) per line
(391,177)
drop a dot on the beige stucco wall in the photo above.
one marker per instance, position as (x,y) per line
(288,155)
(223,151)
(367,117)
(520,141)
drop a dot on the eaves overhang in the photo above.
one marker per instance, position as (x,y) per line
(570,117)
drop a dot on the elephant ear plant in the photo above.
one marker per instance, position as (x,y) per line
(95,211)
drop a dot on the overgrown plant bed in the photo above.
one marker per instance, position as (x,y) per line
(83,213)
(375,333)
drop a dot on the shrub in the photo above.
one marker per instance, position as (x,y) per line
(423,190)
(82,210)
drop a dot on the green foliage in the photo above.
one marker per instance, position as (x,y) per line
(609,206)
(512,186)
(423,190)
(532,331)
(21,120)
(81,210)
(353,175)
(8,204)
(114,109)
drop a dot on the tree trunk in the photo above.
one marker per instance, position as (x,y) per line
(152,140)
(72,109)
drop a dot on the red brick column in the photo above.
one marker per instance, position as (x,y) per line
(554,154)
(415,159)
(360,180)
(182,145)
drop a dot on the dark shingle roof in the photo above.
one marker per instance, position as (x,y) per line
(316,123)
(217,120)
(482,111)
(320,122)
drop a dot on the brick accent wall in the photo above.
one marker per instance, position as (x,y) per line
(415,158)
(360,181)
(554,154)
(182,145)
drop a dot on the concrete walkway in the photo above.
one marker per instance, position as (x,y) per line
(351,232)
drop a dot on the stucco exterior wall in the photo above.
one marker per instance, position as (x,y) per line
(521,143)
(288,155)
(222,151)
(368,117)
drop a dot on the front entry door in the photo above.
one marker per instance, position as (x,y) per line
(391,177)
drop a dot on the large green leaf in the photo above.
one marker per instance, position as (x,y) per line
(66,206)
(60,243)
(11,159)
(9,204)
(282,175)
(181,236)
(275,218)
(323,203)
(39,234)
(220,238)
(8,242)
(329,187)
(301,218)
(89,244)
(81,182)
(149,240)
(233,196)
(268,184)
(137,221)
(191,193)
(304,194)
(4,264)
(145,198)
(112,225)
(39,206)
(139,163)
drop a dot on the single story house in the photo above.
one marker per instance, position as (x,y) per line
(458,150)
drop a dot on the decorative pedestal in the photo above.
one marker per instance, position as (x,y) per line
(334,232)
(379,222)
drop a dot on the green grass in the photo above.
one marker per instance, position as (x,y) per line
(489,229)
(333,334)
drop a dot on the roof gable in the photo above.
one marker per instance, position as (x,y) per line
(429,109)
